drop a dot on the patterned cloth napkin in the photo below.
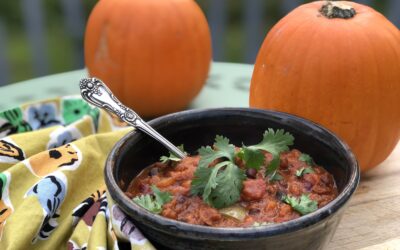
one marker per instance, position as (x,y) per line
(52,191)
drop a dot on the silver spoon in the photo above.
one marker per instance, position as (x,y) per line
(95,92)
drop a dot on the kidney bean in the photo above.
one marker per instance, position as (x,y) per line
(153,171)
(254,211)
(251,173)
(181,199)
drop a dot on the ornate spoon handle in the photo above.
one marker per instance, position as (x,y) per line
(95,92)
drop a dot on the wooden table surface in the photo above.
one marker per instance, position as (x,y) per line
(371,221)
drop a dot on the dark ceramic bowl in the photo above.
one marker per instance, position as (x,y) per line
(196,128)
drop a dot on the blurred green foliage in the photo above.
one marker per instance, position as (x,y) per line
(60,44)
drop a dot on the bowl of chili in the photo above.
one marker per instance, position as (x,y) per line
(298,222)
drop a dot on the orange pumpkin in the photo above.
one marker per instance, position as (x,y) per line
(338,64)
(154,55)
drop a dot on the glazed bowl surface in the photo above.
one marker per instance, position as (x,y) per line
(196,128)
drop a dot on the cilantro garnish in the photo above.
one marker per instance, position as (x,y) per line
(153,203)
(252,157)
(303,171)
(222,149)
(258,224)
(307,159)
(230,183)
(275,177)
(303,205)
(172,156)
(274,143)
(220,186)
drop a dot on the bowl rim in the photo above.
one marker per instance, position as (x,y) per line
(233,233)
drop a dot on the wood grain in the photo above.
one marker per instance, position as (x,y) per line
(372,220)
(388,245)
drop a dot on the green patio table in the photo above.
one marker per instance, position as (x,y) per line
(223,78)
(371,220)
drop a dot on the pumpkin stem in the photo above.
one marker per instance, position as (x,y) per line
(337,10)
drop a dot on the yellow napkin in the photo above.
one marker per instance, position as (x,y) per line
(52,191)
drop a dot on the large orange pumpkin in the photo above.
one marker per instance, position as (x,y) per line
(153,54)
(338,65)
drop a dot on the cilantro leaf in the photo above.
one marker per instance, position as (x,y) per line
(307,159)
(200,180)
(240,154)
(253,158)
(220,185)
(303,205)
(229,186)
(161,197)
(153,203)
(303,171)
(274,143)
(147,202)
(222,144)
(172,157)
(222,150)
(275,176)
(258,224)
(212,180)
(272,167)
(207,156)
